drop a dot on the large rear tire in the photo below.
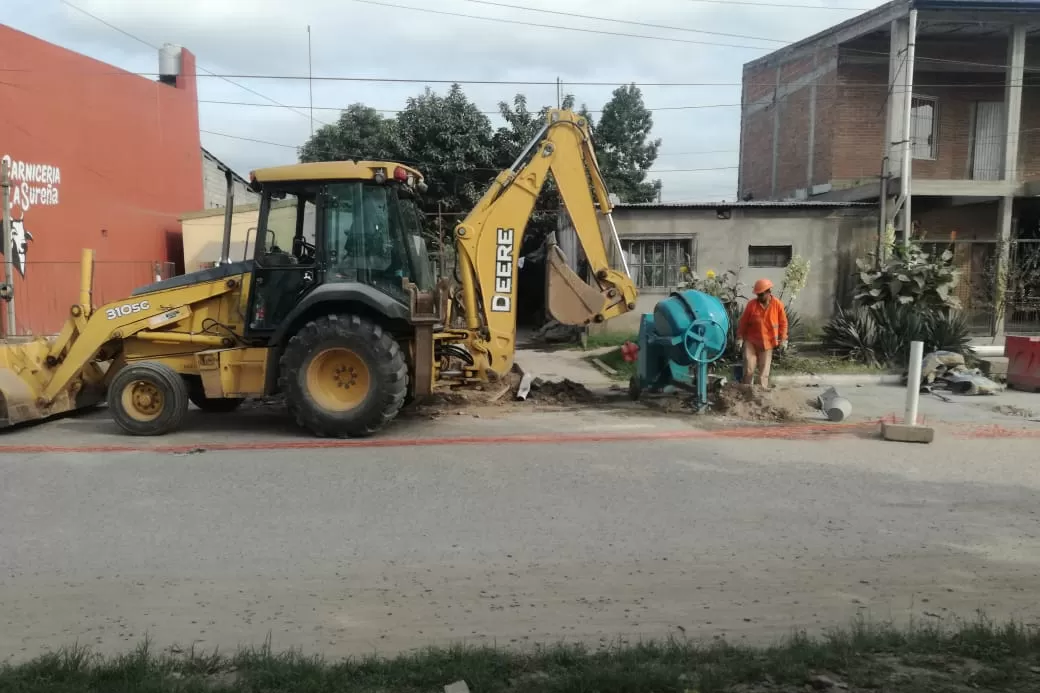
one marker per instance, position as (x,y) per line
(148,399)
(343,376)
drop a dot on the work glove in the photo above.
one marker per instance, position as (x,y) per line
(783,345)
(740,345)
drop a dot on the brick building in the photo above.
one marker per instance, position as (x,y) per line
(828,118)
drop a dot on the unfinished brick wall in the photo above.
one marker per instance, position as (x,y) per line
(851,110)
(859,139)
(789,111)
(940,221)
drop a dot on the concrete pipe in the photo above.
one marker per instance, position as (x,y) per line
(836,407)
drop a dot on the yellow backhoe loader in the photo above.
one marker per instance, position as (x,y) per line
(337,310)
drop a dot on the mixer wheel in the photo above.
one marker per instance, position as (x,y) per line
(634,388)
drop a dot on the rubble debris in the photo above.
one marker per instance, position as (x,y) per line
(949,370)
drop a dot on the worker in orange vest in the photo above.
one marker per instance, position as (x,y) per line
(762,328)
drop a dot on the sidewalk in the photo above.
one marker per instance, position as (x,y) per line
(565,364)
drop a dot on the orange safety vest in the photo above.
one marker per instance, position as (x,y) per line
(763,326)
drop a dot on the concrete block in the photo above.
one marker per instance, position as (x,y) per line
(901,433)
(996,367)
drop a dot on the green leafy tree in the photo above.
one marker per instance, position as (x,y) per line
(360,133)
(452,143)
(624,148)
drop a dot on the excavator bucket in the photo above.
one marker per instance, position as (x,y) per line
(21,382)
(569,299)
(25,370)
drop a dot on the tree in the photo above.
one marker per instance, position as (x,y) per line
(451,141)
(623,147)
(360,133)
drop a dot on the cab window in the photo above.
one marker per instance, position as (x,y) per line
(364,238)
(286,230)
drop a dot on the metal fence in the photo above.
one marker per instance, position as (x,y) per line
(48,289)
(977,263)
(1022,313)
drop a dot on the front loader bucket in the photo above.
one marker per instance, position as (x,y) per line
(23,374)
(569,300)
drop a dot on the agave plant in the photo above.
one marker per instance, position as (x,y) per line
(853,334)
(948,331)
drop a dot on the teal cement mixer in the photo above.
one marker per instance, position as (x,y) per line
(685,334)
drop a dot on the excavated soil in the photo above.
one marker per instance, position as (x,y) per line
(733,401)
(742,402)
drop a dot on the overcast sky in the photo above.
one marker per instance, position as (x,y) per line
(407,39)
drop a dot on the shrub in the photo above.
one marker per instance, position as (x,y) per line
(881,336)
(909,277)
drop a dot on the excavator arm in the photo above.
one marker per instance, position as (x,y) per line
(489,238)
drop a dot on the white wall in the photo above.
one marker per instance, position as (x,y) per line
(829,238)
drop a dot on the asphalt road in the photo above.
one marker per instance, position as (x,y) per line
(385,549)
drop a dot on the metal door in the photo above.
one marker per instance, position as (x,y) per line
(988,153)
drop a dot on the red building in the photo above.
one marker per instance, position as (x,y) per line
(99,158)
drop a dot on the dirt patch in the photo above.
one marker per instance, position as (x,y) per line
(1012,410)
(742,402)
(465,398)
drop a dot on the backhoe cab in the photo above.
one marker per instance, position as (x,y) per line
(336,308)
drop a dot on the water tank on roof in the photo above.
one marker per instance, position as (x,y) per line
(169,63)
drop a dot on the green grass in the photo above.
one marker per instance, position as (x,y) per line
(614,359)
(797,363)
(789,364)
(608,339)
(977,656)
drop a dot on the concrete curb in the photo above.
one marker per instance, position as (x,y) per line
(838,379)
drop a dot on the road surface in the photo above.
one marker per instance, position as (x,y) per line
(383,549)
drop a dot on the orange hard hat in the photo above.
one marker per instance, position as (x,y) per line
(762,286)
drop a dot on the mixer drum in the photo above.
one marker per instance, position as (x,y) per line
(674,316)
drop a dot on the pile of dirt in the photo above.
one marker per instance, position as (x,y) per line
(561,392)
(754,404)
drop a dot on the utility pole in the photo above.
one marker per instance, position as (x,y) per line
(310,77)
(440,241)
(559,93)
(7,289)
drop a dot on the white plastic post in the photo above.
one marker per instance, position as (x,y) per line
(913,383)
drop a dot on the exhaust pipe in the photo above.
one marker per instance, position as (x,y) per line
(229,211)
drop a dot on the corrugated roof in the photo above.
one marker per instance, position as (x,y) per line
(737,204)
(879,17)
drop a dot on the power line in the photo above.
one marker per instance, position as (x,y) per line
(398,110)
(248,139)
(624,21)
(533,83)
(200,67)
(556,26)
(785,5)
(476,168)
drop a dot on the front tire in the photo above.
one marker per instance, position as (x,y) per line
(343,376)
(148,399)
